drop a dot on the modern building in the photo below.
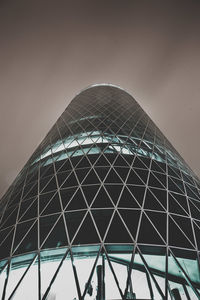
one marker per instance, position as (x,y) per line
(104,209)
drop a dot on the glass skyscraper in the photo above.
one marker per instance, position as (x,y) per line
(105,209)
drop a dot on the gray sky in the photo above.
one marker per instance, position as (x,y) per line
(50,50)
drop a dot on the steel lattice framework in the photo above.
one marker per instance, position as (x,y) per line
(104,209)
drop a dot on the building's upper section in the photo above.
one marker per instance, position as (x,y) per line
(104,165)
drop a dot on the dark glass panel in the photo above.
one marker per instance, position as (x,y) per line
(161,195)
(151,202)
(117,232)
(29,243)
(53,206)
(102,172)
(127,200)
(77,201)
(133,178)
(91,178)
(102,199)
(154,181)
(113,177)
(70,181)
(114,191)
(31,240)
(57,237)
(138,193)
(147,233)
(73,220)
(62,177)
(122,172)
(5,246)
(160,222)
(174,207)
(131,219)
(31,212)
(90,192)
(176,236)
(66,195)
(85,236)
(102,218)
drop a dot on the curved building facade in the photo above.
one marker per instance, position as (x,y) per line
(105,209)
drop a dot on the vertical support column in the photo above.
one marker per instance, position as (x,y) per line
(100,281)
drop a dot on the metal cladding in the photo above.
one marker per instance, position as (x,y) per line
(106,177)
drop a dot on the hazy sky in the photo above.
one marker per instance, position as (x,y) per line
(50,50)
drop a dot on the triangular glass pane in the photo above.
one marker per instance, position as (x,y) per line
(174,207)
(147,233)
(177,237)
(81,174)
(6,245)
(53,206)
(102,199)
(102,172)
(131,219)
(161,196)
(158,167)
(25,205)
(57,237)
(70,181)
(29,243)
(102,218)
(127,200)
(113,177)
(154,182)
(66,166)
(139,164)
(91,178)
(77,201)
(21,231)
(138,193)
(133,178)
(62,177)
(66,195)
(10,219)
(73,221)
(151,202)
(31,212)
(186,226)
(143,174)
(117,232)
(90,192)
(84,236)
(114,192)
(122,172)
(84,163)
(102,161)
(173,187)
(194,211)
(51,186)
(159,220)
(120,162)
(197,233)
(182,201)
(46,224)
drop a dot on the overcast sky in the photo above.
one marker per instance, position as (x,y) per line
(50,50)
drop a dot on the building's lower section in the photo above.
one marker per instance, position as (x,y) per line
(98,272)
